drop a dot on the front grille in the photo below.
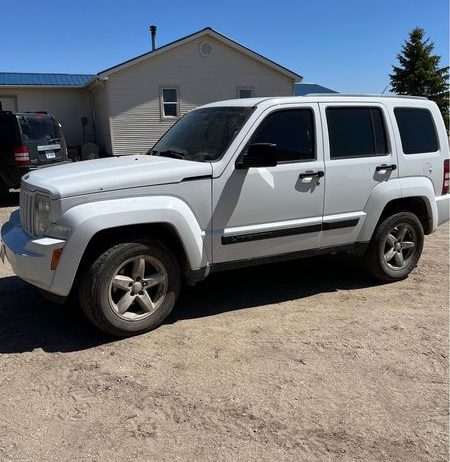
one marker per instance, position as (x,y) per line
(26,210)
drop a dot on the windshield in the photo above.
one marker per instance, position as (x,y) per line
(203,135)
(39,127)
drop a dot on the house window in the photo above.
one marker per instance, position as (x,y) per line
(170,103)
(245,92)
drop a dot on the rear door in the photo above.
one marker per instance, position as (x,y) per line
(43,137)
(359,155)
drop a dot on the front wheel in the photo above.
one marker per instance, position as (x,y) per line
(131,288)
(395,248)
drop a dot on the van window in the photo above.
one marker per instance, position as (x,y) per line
(293,133)
(356,132)
(417,130)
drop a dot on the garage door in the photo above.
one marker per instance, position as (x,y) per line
(9,103)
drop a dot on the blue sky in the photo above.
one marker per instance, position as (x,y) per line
(348,45)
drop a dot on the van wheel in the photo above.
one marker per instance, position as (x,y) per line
(395,247)
(131,288)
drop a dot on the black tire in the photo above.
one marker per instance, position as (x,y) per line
(96,291)
(382,247)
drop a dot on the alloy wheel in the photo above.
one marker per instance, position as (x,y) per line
(138,287)
(400,246)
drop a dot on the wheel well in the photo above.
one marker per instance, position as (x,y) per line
(106,238)
(416,205)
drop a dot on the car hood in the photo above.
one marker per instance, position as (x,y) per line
(113,173)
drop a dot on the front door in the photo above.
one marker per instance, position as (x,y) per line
(359,155)
(259,212)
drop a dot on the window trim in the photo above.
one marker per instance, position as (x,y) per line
(438,143)
(286,109)
(238,91)
(162,103)
(385,130)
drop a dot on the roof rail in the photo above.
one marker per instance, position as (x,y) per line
(365,94)
(34,112)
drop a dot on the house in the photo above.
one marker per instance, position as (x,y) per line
(126,108)
(304,88)
(63,95)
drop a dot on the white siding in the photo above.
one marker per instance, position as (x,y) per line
(101,110)
(134,92)
(8,103)
(68,105)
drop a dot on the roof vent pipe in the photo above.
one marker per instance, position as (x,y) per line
(153,32)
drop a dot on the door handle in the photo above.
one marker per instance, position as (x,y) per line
(318,174)
(391,167)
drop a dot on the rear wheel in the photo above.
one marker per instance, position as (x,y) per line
(396,247)
(131,288)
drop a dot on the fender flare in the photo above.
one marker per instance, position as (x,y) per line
(398,188)
(86,220)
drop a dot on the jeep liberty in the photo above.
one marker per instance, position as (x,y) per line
(234,183)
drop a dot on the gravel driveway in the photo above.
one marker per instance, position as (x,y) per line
(306,361)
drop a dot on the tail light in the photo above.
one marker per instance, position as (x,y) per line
(21,156)
(446,179)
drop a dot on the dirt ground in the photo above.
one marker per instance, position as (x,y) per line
(306,361)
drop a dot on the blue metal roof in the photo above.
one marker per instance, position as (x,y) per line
(302,89)
(61,80)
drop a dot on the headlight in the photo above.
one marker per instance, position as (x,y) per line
(58,231)
(41,214)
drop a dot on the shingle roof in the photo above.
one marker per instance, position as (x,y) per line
(302,89)
(33,78)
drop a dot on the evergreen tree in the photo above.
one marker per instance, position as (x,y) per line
(419,73)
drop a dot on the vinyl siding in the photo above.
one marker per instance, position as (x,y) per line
(134,92)
(67,105)
(101,110)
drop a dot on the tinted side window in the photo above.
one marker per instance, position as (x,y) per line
(417,130)
(292,131)
(356,132)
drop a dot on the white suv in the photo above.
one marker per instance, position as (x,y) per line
(234,183)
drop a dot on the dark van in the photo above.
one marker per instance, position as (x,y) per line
(28,140)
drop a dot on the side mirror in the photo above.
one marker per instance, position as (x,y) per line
(258,155)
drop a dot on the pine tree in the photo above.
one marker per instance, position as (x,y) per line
(419,72)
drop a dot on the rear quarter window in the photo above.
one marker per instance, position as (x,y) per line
(417,130)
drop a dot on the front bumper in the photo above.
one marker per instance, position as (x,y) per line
(30,257)
(443,208)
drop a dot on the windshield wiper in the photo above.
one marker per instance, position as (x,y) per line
(173,153)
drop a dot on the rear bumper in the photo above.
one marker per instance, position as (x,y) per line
(443,208)
(29,257)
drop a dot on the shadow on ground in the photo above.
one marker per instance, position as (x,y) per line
(27,321)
